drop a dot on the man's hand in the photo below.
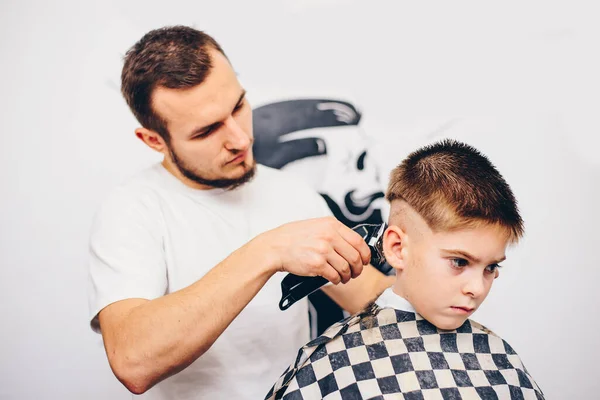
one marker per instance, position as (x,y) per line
(318,247)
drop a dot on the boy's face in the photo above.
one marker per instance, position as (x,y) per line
(445,275)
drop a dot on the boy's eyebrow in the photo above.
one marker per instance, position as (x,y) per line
(469,256)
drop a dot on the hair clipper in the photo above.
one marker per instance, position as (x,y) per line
(294,287)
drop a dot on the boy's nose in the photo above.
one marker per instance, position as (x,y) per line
(474,286)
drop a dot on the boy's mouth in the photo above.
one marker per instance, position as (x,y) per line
(465,310)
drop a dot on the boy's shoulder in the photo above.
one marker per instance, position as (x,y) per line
(479,328)
(386,323)
(398,349)
(380,332)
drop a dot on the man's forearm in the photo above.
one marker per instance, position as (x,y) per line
(159,338)
(355,295)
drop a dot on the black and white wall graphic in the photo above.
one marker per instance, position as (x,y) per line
(321,141)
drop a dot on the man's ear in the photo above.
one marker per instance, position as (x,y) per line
(394,247)
(152,139)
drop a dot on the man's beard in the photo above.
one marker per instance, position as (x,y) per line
(229,184)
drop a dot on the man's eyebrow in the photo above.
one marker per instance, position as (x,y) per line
(203,129)
(241,98)
(469,256)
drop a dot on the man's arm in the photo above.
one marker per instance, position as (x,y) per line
(356,294)
(149,340)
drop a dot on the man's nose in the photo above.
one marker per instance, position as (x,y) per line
(237,138)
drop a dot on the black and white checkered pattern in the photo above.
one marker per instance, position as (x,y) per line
(393,354)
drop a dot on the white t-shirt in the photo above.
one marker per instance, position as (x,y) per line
(153,235)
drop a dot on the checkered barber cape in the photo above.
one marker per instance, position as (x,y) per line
(386,353)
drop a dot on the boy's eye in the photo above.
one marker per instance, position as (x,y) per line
(492,268)
(459,262)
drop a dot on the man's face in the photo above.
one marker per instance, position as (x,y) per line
(210,128)
(447,275)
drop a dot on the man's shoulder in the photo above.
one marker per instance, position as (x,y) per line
(283,182)
(138,190)
(269,174)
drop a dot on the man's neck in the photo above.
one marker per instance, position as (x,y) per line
(173,170)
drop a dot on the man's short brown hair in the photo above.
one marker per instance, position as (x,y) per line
(452,185)
(175,57)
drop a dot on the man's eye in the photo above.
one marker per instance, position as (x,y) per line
(204,134)
(238,107)
(459,263)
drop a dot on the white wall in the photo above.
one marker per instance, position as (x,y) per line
(518,80)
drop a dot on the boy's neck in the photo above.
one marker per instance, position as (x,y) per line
(399,289)
(390,298)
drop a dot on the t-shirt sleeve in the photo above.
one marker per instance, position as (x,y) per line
(126,253)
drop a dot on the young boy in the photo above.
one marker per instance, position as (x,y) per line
(452,216)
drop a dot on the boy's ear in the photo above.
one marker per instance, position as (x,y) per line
(394,247)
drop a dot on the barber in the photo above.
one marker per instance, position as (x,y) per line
(184,255)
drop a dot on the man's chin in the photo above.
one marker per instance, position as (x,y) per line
(230,181)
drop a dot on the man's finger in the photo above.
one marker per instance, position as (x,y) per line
(331,274)
(340,265)
(356,241)
(350,254)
